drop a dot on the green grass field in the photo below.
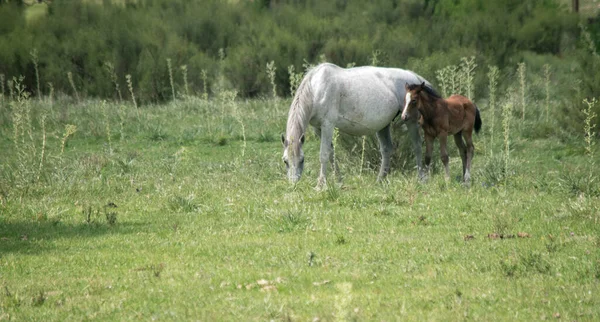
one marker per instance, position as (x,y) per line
(170,214)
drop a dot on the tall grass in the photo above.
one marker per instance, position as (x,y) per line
(588,126)
(73,87)
(467,69)
(204,85)
(170,70)
(521,70)
(506,126)
(295,80)
(35,60)
(271,70)
(110,68)
(547,89)
(493,74)
(184,71)
(130,87)
(2,93)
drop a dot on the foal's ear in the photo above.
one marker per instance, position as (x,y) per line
(406,86)
(302,139)
(283,140)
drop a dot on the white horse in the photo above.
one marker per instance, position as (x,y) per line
(358,101)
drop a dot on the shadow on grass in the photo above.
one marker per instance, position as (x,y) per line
(33,237)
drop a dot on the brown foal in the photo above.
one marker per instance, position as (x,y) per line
(440,117)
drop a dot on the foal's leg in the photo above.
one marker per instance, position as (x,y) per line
(428,152)
(326,153)
(463,152)
(444,153)
(415,137)
(386,147)
(468,135)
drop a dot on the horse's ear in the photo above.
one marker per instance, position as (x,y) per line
(302,139)
(406,86)
(423,84)
(283,140)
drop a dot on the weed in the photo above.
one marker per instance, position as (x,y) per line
(2,80)
(493,84)
(295,80)
(111,218)
(130,87)
(34,59)
(43,151)
(73,87)
(184,71)
(39,299)
(110,68)
(89,215)
(589,127)
(204,85)
(340,239)
(467,67)
(509,267)
(107,126)
(271,69)
(170,70)
(547,89)
(292,220)
(496,169)
(521,70)
(70,129)
(375,57)
(183,204)
(51,93)
(533,261)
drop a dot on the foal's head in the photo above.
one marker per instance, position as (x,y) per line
(412,99)
(293,156)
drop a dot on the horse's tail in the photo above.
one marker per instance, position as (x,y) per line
(477,119)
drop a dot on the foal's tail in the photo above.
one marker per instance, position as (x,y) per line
(477,119)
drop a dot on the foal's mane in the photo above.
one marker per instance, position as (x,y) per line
(427,89)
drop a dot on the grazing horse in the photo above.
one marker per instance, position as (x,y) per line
(358,101)
(440,117)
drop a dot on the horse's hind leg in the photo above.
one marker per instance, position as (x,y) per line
(415,137)
(463,152)
(468,136)
(444,153)
(385,147)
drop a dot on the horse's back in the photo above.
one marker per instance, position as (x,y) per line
(359,100)
(459,101)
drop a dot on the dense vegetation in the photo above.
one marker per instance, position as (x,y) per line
(174,205)
(137,37)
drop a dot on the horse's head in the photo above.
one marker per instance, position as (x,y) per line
(412,99)
(293,156)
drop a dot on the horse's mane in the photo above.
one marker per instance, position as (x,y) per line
(301,107)
(427,88)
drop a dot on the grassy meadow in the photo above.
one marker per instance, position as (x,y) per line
(181,211)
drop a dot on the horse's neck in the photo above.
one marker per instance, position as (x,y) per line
(298,120)
(429,106)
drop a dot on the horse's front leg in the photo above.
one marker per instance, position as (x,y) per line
(386,147)
(325,154)
(470,152)
(428,152)
(415,137)
(444,153)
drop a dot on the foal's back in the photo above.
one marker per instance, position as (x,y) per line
(461,114)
